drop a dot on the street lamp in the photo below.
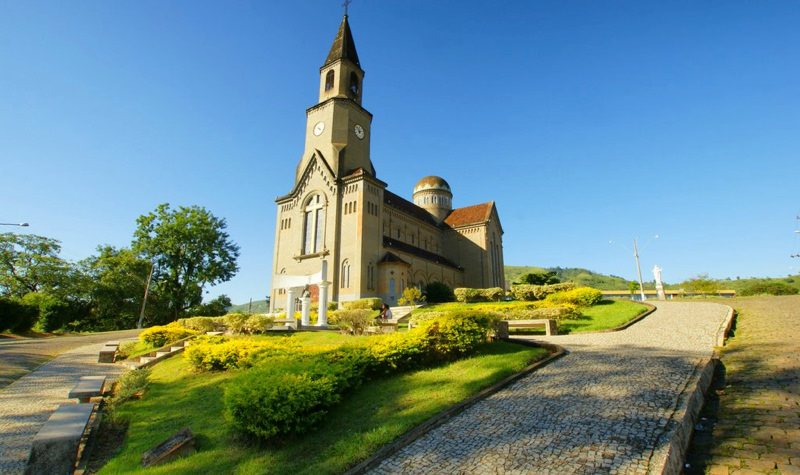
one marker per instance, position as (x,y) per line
(638,267)
(23,225)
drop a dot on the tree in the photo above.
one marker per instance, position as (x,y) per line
(189,249)
(411,296)
(633,287)
(701,283)
(215,308)
(114,286)
(436,292)
(30,263)
(539,278)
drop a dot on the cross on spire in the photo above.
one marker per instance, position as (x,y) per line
(345,5)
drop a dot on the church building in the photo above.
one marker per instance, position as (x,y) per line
(375,243)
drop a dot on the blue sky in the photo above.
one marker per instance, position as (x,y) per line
(585,121)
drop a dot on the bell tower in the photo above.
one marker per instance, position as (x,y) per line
(338,128)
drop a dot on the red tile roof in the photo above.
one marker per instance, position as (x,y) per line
(469,215)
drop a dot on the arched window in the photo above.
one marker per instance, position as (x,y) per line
(391,288)
(329,80)
(314,222)
(345,277)
(353,89)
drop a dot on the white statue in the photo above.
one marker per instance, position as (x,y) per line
(657,274)
(659,284)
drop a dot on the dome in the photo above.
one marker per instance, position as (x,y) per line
(432,183)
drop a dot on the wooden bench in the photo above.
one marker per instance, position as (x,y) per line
(55,446)
(550,325)
(88,387)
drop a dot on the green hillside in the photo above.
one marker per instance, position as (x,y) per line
(259,306)
(581,277)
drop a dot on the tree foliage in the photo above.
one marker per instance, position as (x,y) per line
(214,308)
(189,249)
(701,283)
(30,263)
(439,292)
(539,278)
(115,283)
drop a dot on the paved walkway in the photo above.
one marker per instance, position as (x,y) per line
(28,402)
(606,407)
(753,422)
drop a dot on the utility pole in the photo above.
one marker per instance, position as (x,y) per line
(144,300)
(639,270)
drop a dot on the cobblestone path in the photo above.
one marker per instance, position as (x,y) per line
(27,403)
(757,403)
(606,407)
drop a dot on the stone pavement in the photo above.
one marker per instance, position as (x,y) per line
(28,402)
(609,406)
(753,424)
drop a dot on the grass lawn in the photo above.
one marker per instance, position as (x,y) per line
(368,418)
(606,315)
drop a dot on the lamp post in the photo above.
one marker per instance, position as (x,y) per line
(22,225)
(638,267)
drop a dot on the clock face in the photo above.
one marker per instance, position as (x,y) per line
(359,131)
(319,128)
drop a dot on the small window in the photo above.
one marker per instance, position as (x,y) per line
(329,80)
(353,85)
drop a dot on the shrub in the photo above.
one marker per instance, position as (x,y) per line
(768,288)
(411,296)
(581,297)
(159,336)
(289,393)
(286,396)
(257,324)
(236,322)
(372,303)
(203,324)
(539,292)
(130,385)
(215,353)
(567,311)
(458,334)
(466,295)
(438,292)
(16,316)
(353,322)
(53,313)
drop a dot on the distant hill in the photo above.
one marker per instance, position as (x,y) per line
(259,306)
(581,277)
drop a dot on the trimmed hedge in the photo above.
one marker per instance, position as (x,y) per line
(554,313)
(159,336)
(215,353)
(290,393)
(467,295)
(539,292)
(371,303)
(203,324)
(581,297)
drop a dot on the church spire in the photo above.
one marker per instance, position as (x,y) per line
(343,46)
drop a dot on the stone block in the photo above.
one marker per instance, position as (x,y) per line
(55,446)
(88,387)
